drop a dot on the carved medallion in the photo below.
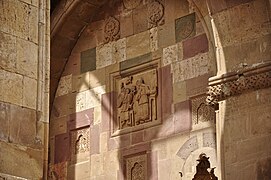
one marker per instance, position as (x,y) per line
(156,13)
(136,167)
(185,27)
(131,4)
(80,141)
(111,29)
(136,101)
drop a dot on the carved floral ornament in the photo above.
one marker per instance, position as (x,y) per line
(156,12)
(111,29)
(236,83)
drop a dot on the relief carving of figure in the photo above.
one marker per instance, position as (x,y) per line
(134,102)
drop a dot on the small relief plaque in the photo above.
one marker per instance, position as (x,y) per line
(156,13)
(136,100)
(111,29)
(136,167)
(201,112)
(185,27)
(80,141)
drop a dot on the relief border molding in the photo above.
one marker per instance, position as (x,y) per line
(238,82)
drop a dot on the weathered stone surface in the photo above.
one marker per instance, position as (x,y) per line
(126,21)
(137,137)
(58,110)
(25,158)
(185,27)
(88,60)
(194,46)
(4,120)
(19,117)
(80,119)
(154,39)
(140,20)
(58,126)
(62,148)
(80,82)
(30,93)
(188,147)
(209,140)
(190,68)
(182,117)
(79,171)
(104,55)
(119,50)
(135,61)
(179,92)
(137,45)
(64,85)
(107,108)
(27,58)
(197,85)
(97,78)
(166,35)
(7,52)
(93,96)
(170,54)
(95,139)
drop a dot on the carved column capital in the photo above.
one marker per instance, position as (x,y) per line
(238,82)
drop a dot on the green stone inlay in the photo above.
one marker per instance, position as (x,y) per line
(135,61)
(185,27)
(88,60)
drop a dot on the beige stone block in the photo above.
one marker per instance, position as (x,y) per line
(33,24)
(97,115)
(7,52)
(190,68)
(111,162)
(179,92)
(80,82)
(80,101)
(93,96)
(119,50)
(180,51)
(12,89)
(166,35)
(30,92)
(79,171)
(154,39)
(161,148)
(58,126)
(170,54)
(64,86)
(138,44)
(64,105)
(23,12)
(97,78)
(21,161)
(164,167)
(96,167)
(103,142)
(104,55)
(27,58)
(8,16)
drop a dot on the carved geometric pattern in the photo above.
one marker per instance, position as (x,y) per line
(136,100)
(131,4)
(156,13)
(237,83)
(111,29)
(136,167)
(80,142)
(201,112)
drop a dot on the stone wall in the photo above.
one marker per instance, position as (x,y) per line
(24,86)
(169,49)
(131,97)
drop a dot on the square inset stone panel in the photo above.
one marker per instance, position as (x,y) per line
(136,167)
(202,114)
(88,60)
(80,142)
(136,98)
(185,27)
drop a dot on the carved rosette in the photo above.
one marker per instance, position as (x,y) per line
(156,13)
(237,83)
(131,4)
(136,167)
(111,29)
(80,141)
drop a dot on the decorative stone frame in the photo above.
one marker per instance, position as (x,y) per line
(154,97)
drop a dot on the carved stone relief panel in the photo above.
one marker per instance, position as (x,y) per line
(136,100)
(80,142)
(156,13)
(136,167)
(201,112)
(111,29)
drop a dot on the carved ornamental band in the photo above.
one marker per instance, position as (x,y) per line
(236,83)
